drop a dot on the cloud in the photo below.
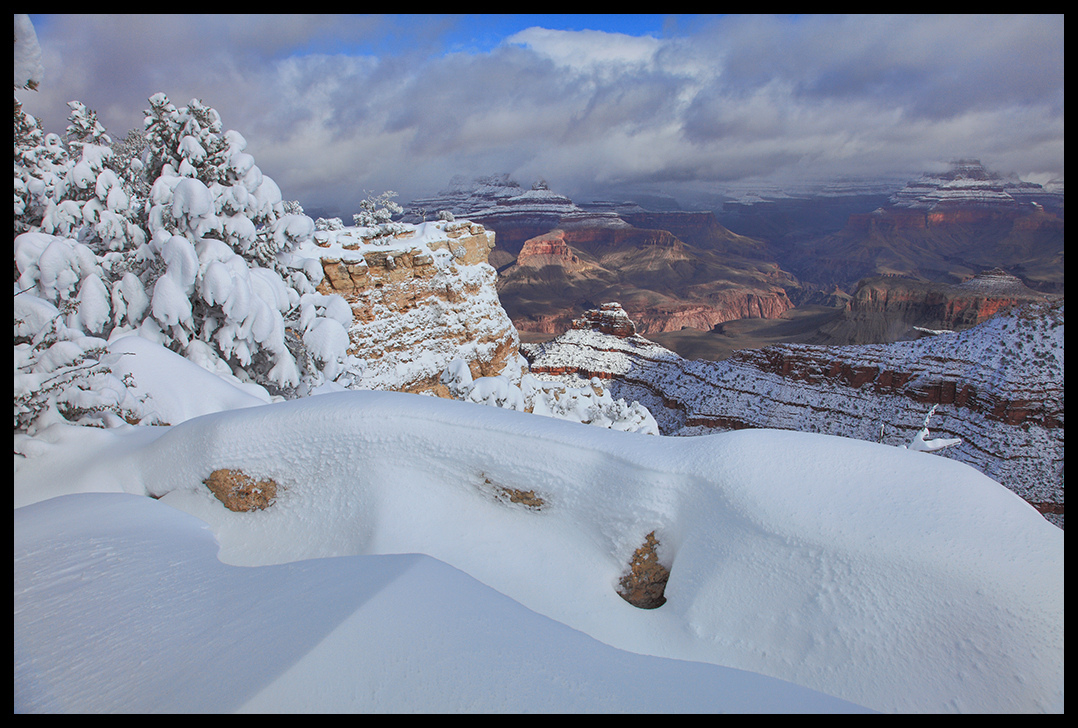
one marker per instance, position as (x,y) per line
(334,106)
(592,52)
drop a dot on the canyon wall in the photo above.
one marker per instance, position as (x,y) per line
(892,308)
(420,301)
(998,387)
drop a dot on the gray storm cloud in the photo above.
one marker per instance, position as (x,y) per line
(735,97)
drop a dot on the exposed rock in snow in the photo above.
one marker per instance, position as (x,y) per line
(418,301)
(646,581)
(239,491)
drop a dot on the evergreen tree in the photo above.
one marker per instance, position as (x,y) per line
(41,164)
(84,128)
(175,235)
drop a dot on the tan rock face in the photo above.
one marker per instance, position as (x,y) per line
(610,318)
(722,306)
(664,283)
(415,308)
(645,584)
(239,491)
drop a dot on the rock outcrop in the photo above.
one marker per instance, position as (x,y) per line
(240,492)
(999,387)
(891,308)
(610,318)
(419,301)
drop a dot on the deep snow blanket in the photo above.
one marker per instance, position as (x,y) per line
(161,625)
(893,579)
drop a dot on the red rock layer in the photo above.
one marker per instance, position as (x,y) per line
(548,249)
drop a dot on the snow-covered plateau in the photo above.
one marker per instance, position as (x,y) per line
(391,575)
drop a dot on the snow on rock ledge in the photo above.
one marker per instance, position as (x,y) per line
(1001,384)
(419,300)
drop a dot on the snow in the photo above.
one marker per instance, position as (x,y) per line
(155,370)
(298,637)
(28,67)
(388,575)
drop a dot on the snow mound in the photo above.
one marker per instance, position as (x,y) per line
(885,577)
(394,633)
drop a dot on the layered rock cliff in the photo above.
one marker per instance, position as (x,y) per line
(890,308)
(968,185)
(549,249)
(944,228)
(670,270)
(419,301)
(999,387)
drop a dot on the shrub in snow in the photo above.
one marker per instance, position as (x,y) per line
(921,442)
(376,216)
(334,223)
(62,375)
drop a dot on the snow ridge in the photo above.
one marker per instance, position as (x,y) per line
(842,566)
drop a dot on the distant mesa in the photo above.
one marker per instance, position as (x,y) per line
(892,308)
(464,197)
(969,184)
(942,227)
(514,213)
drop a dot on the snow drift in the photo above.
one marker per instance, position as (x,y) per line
(362,633)
(851,568)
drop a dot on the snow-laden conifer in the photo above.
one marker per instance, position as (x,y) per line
(174,235)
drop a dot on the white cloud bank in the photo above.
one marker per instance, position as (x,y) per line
(730,98)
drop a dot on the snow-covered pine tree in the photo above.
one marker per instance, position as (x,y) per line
(61,373)
(84,128)
(376,215)
(28,68)
(127,161)
(210,193)
(183,241)
(92,203)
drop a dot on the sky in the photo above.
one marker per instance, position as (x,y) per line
(336,107)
